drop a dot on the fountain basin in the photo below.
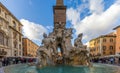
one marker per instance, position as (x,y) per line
(97,68)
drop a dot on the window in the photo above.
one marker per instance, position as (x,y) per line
(0,21)
(104,40)
(98,49)
(14,24)
(19,38)
(111,47)
(104,53)
(19,28)
(111,40)
(20,53)
(15,44)
(98,41)
(5,15)
(0,10)
(15,53)
(7,41)
(111,53)
(14,35)
(1,39)
(19,46)
(29,43)
(104,47)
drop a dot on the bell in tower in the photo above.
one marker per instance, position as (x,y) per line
(59,14)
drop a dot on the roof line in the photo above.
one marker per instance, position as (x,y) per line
(10,13)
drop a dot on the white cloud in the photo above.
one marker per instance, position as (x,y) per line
(49,27)
(96,6)
(73,15)
(97,23)
(32,30)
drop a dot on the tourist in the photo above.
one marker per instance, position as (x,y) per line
(21,60)
(112,60)
(1,68)
(0,62)
(119,60)
(116,60)
(4,62)
(8,59)
(24,60)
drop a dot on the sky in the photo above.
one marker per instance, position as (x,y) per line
(90,17)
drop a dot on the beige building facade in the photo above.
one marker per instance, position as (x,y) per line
(10,33)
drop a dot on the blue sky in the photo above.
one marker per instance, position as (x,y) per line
(90,17)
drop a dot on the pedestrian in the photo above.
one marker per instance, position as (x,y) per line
(0,62)
(116,60)
(13,60)
(111,60)
(1,65)
(119,60)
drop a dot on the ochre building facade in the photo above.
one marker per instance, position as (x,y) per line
(117,40)
(104,45)
(29,48)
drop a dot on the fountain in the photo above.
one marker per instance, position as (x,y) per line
(61,38)
(58,55)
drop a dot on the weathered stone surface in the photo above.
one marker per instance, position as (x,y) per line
(72,55)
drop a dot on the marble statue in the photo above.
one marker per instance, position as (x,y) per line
(71,55)
(78,42)
(57,47)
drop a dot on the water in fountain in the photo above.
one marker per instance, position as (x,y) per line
(97,68)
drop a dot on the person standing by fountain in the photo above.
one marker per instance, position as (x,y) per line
(116,60)
(1,68)
(119,60)
(0,62)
